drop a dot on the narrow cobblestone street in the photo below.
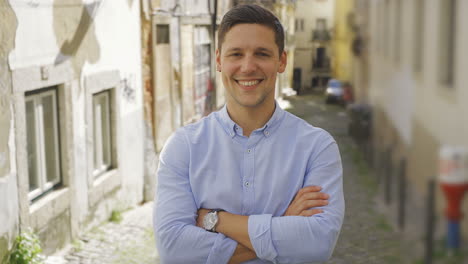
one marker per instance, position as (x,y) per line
(366,236)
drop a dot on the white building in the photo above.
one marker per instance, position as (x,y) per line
(314,21)
(71,115)
(415,80)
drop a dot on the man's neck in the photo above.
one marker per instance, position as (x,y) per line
(250,118)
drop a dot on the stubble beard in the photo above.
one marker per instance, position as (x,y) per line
(258,102)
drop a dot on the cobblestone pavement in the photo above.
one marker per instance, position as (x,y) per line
(130,241)
(366,236)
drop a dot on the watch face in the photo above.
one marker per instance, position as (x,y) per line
(210,220)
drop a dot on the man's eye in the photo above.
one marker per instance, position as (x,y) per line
(263,54)
(235,54)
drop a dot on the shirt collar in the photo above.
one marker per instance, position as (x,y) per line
(230,126)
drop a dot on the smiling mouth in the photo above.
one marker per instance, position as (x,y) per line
(249,84)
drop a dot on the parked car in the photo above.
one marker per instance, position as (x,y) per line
(334,92)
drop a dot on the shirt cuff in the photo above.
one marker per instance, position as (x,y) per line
(260,237)
(222,250)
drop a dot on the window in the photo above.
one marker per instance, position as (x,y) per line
(202,64)
(386,31)
(42,136)
(418,34)
(397,31)
(162,34)
(102,132)
(447,41)
(380,28)
(321,24)
(299,25)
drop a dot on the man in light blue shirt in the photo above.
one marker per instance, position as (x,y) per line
(250,183)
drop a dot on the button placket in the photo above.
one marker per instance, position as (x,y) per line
(247,180)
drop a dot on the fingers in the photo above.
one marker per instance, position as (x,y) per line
(308,204)
(310,192)
(307,198)
(308,189)
(314,196)
(311,212)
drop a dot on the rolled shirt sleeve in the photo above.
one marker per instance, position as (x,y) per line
(178,239)
(298,239)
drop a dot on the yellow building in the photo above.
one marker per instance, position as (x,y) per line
(342,39)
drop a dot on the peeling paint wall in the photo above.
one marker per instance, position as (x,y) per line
(151,158)
(75,33)
(162,105)
(7,36)
(81,38)
(8,191)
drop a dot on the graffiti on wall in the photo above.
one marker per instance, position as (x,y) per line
(128,88)
(33,3)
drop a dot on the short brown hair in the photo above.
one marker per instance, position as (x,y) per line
(251,14)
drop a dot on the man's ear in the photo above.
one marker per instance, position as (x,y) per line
(218,60)
(283,62)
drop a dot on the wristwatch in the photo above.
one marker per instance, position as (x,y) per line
(211,219)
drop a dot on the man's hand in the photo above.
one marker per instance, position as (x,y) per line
(306,199)
(303,205)
(244,250)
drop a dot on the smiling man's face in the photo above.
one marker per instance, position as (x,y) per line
(249,62)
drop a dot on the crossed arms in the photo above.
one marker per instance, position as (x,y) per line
(299,235)
(236,226)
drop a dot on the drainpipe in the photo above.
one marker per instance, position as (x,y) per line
(214,17)
(176,48)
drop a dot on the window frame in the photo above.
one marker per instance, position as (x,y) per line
(447,43)
(44,186)
(419,34)
(107,181)
(32,79)
(98,150)
(397,30)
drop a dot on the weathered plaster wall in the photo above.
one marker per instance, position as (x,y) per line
(426,113)
(8,191)
(93,37)
(75,32)
(117,29)
(7,36)
(151,158)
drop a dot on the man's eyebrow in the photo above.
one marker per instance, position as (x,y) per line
(264,50)
(233,49)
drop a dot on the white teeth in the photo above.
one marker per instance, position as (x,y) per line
(248,83)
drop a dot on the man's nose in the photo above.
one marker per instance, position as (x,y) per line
(248,64)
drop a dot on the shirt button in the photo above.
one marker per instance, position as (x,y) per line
(249,150)
(232,134)
(247,184)
(267,133)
